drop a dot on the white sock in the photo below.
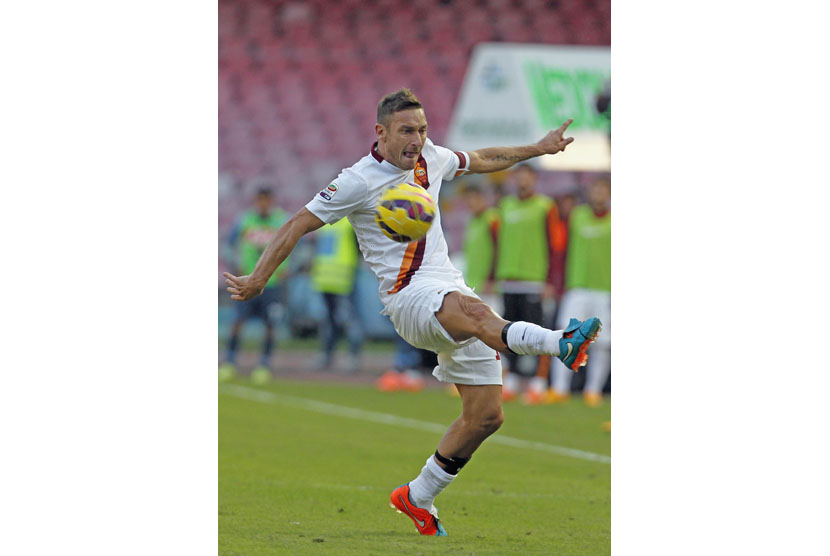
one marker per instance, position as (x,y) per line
(429,484)
(526,338)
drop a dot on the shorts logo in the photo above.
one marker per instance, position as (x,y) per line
(325,196)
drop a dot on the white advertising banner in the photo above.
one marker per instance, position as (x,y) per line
(513,94)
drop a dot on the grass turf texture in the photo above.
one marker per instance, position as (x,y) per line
(295,481)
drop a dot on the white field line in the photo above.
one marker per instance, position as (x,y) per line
(389,419)
(368,488)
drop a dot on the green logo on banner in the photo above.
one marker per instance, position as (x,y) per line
(561,93)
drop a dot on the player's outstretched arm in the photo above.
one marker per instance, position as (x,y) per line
(494,159)
(243,288)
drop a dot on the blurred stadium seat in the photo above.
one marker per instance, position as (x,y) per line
(299,80)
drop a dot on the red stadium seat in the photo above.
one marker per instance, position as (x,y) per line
(299,80)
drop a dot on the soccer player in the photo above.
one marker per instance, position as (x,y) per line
(588,283)
(528,268)
(479,240)
(422,292)
(249,237)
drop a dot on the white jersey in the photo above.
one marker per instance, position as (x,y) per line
(354,194)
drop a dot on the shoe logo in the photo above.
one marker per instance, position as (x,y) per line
(420,522)
(570,350)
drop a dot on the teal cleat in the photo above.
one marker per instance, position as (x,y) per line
(573,346)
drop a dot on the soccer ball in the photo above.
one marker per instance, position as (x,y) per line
(405,212)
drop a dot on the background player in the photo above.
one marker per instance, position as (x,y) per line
(333,274)
(528,267)
(588,282)
(252,232)
(480,238)
(422,292)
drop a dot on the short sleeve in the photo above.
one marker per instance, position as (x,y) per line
(453,163)
(340,198)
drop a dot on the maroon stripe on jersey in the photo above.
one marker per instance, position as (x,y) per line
(417,258)
(374,152)
(421,175)
(462,160)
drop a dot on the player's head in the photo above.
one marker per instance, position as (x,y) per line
(599,195)
(475,198)
(263,198)
(401,128)
(525,177)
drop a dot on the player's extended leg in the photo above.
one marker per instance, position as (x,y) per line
(481,416)
(464,317)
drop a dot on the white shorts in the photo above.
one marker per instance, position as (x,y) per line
(412,311)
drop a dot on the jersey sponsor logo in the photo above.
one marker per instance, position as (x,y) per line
(325,196)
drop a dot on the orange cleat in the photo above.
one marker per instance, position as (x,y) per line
(411,381)
(389,382)
(534,397)
(508,395)
(554,396)
(425,522)
(592,399)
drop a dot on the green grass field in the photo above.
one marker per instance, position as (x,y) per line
(301,473)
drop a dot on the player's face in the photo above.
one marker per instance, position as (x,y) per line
(402,140)
(526,182)
(476,202)
(262,203)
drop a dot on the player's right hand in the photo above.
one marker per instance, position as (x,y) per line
(241,288)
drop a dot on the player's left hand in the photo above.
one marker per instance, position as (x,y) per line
(240,287)
(553,142)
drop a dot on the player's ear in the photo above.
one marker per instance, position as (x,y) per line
(380,130)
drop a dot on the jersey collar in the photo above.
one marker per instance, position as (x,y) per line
(374,152)
(377,156)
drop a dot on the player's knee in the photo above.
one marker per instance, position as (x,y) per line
(490,421)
